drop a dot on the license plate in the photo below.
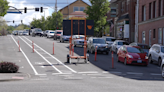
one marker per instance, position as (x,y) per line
(139,61)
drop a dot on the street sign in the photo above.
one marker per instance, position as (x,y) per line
(78,27)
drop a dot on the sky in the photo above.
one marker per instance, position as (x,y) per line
(27,17)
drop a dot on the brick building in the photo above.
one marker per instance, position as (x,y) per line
(151,22)
(124,21)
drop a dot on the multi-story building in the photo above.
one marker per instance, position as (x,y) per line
(151,22)
(123,24)
(74,9)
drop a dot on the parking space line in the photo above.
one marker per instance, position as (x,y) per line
(134,73)
(26,57)
(41,56)
(155,74)
(52,56)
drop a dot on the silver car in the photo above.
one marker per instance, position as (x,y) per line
(156,54)
(109,40)
(78,40)
(117,44)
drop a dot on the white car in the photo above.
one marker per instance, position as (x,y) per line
(162,68)
(78,40)
(25,33)
(50,34)
(20,32)
(117,44)
(156,54)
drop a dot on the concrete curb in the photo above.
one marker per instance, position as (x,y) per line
(14,76)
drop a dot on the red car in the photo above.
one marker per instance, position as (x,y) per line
(132,55)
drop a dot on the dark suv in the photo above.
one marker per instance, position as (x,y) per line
(100,43)
(37,32)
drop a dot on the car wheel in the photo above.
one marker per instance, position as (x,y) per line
(125,61)
(162,72)
(150,59)
(159,62)
(107,53)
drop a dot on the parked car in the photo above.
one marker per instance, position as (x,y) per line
(37,32)
(15,32)
(57,34)
(50,34)
(99,42)
(45,33)
(145,47)
(20,33)
(132,55)
(25,33)
(117,44)
(162,68)
(109,40)
(64,38)
(78,40)
(156,54)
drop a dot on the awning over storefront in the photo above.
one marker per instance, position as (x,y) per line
(123,17)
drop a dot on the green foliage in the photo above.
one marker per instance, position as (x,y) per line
(22,27)
(97,12)
(3,24)
(49,23)
(3,7)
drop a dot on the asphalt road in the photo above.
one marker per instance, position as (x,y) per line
(46,72)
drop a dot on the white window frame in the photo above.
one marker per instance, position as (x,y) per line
(81,7)
(74,7)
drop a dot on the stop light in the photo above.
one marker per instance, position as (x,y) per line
(41,9)
(13,21)
(36,9)
(25,10)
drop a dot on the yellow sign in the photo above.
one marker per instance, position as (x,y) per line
(89,27)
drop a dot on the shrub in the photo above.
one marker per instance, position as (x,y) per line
(8,67)
(0,34)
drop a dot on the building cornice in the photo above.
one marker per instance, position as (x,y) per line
(151,20)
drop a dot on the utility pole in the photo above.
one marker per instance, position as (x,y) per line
(56,13)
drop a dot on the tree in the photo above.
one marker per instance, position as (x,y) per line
(3,7)
(3,26)
(97,12)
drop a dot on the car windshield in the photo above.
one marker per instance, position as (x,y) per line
(110,39)
(38,30)
(52,32)
(25,32)
(162,49)
(123,43)
(101,41)
(135,50)
(144,46)
(58,33)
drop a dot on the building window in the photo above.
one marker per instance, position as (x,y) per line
(143,13)
(160,35)
(150,11)
(154,33)
(122,8)
(75,9)
(128,5)
(143,37)
(82,8)
(154,9)
(161,7)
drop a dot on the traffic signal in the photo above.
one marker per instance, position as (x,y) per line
(36,9)
(21,21)
(41,9)
(25,10)
(13,21)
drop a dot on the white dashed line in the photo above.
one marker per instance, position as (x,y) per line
(60,73)
(41,74)
(134,73)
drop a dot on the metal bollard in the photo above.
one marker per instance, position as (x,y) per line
(95,53)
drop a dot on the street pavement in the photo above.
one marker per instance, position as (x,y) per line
(42,71)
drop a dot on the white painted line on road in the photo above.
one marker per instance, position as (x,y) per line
(41,79)
(42,66)
(155,74)
(53,57)
(41,56)
(134,73)
(21,78)
(60,73)
(25,57)
(76,78)
(87,72)
(40,63)
(105,72)
(41,74)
